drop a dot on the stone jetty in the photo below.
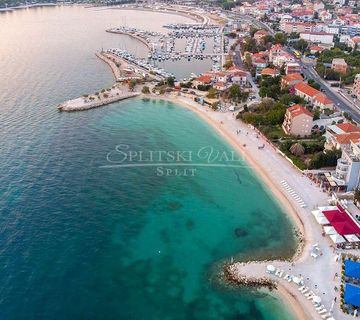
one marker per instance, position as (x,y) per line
(232,276)
(100,99)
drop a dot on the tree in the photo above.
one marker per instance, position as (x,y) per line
(132,84)
(280,38)
(145,90)
(314,84)
(300,45)
(170,81)
(228,64)
(212,93)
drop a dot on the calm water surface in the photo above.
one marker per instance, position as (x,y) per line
(83,241)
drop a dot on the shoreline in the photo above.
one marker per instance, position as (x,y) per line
(294,215)
(298,308)
(196,17)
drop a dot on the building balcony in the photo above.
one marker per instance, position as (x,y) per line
(342,165)
(339,179)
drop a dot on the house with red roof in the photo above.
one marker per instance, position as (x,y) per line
(298,121)
(202,80)
(308,93)
(340,135)
(323,102)
(259,35)
(276,49)
(269,72)
(291,80)
(221,86)
(239,78)
(315,49)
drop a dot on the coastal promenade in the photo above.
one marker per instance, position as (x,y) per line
(110,61)
(317,274)
(185,12)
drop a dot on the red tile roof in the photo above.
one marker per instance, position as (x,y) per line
(297,110)
(306,89)
(268,72)
(322,99)
(345,138)
(348,127)
(292,77)
(204,79)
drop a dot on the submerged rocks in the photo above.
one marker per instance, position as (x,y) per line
(239,232)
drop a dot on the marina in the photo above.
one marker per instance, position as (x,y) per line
(162,46)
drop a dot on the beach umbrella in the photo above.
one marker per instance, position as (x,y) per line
(352,238)
(322,220)
(317,299)
(270,268)
(329,230)
(336,238)
(296,280)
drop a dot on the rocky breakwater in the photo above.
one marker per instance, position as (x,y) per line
(233,274)
(98,99)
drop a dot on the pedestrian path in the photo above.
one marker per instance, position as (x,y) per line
(291,191)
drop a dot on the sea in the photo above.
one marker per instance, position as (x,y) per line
(125,211)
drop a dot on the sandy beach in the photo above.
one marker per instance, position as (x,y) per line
(272,168)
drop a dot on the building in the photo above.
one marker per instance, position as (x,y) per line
(239,78)
(305,91)
(289,27)
(269,72)
(323,102)
(356,86)
(315,49)
(338,136)
(221,86)
(202,81)
(292,67)
(347,172)
(339,65)
(281,59)
(291,80)
(298,121)
(318,37)
(276,50)
(259,35)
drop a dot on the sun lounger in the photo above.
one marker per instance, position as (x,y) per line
(281,273)
(323,311)
(301,288)
(319,308)
(311,295)
(286,276)
(305,290)
(290,279)
(325,316)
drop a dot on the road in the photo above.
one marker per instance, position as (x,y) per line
(307,68)
(340,102)
(238,62)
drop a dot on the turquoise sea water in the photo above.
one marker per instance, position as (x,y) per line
(84,241)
